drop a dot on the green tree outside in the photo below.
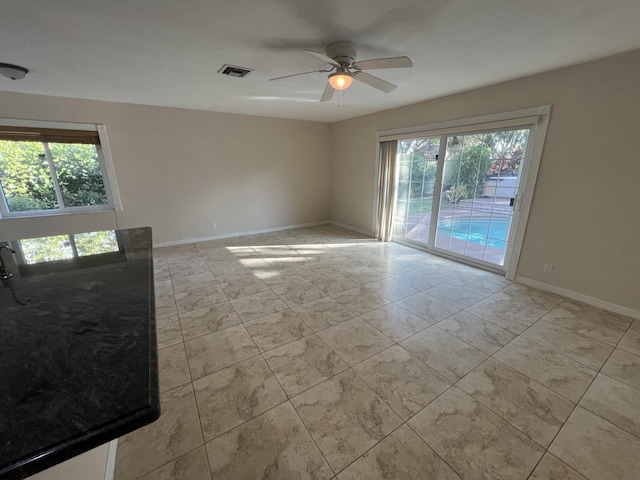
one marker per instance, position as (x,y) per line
(25,175)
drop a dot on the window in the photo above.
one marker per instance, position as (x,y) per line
(48,171)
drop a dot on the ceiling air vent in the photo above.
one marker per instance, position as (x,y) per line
(234,71)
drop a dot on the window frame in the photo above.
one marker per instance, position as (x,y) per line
(105,162)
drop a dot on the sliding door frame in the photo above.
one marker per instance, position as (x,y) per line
(536,118)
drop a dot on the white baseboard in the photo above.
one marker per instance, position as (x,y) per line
(353,229)
(237,234)
(596,302)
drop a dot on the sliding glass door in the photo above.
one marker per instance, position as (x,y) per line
(417,165)
(458,193)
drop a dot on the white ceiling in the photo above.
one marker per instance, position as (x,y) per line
(167,52)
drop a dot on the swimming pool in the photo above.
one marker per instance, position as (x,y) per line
(482,231)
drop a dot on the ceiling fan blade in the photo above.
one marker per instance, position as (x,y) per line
(327,94)
(323,57)
(391,62)
(296,74)
(374,82)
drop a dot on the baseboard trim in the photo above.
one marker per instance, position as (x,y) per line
(596,302)
(238,234)
(352,228)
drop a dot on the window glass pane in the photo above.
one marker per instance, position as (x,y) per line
(94,243)
(25,177)
(79,175)
(46,249)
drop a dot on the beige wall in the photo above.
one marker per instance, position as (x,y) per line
(180,170)
(585,213)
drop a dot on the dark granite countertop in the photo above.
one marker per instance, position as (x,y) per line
(78,358)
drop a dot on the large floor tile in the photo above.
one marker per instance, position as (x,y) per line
(175,433)
(446,354)
(345,418)
(402,381)
(332,283)
(360,299)
(457,296)
(482,334)
(482,283)
(425,277)
(168,331)
(614,401)
(276,329)
(232,272)
(394,321)
(301,364)
(244,286)
(589,322)
(508,312)
(362,274)
(476,442)
(533,296)
(258,305)
(183,268)
(160,266)
(215,351)
(173,368)
(166,306)
(162,288)
(587,351)
(401,456)
(550,468)
(208,320)
(427,307)
(323,313)
(235,395)
(391,289)
(596,448)
(623,366)
(192,282)
(529,406)
(199,298)
(298,293)
(557,372)
(354,340)
(631,340)
(191,466)
(272,446)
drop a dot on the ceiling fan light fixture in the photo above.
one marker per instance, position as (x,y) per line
(341,80)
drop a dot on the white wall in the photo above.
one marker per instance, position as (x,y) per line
(181,170)
(584,217)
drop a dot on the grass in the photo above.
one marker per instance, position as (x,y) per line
(418,205)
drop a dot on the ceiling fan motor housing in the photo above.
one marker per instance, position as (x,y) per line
(342,52)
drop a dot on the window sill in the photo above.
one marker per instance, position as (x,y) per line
(62,213)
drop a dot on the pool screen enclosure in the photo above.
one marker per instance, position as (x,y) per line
(457,193)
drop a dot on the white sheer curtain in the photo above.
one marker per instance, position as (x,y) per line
(386,191)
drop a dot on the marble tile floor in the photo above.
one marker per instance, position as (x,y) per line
(317,353)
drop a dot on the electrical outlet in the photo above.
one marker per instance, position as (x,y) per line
(548,267)
(213,226)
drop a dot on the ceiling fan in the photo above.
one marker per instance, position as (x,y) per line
(342,58)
